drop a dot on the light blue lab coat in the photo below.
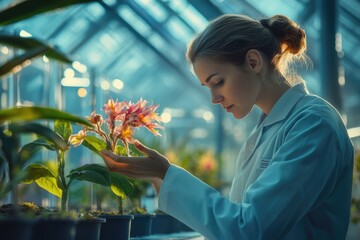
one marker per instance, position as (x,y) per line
(292,180)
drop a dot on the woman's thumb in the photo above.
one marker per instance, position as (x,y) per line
(142,148)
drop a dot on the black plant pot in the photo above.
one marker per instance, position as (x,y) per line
(141,225)
(16,228)
(165,224)
(162,223)
(116,227)
(54,229)
(89,229)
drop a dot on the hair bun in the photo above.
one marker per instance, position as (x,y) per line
(265,23)
(292,38)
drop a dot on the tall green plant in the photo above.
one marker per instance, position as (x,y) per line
(58,183)
(14,123)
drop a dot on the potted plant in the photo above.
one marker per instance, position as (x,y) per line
(121,120)
(142,222)
(58,182)
(14,123)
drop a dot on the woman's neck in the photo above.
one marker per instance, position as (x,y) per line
(272,92)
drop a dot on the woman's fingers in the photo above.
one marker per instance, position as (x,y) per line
(108,154)
(145,150)
(117,158)
(111,162)
(152,165)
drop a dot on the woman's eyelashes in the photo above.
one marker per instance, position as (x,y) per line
(219,83)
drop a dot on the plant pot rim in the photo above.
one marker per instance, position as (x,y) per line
(96,220)
(17,218)
(110,216)
(144,214)
(52,219)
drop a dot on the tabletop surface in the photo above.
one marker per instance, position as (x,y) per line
(172,236)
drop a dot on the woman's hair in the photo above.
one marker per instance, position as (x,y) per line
(230,36)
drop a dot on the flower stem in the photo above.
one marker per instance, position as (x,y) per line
(64,200)
(126,145)
(64,187)
(120,205)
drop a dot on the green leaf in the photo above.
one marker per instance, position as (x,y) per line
(50,185)
(41,142)
(63,128)
(94,173)
(26,9)
(36,171)
(21,60)
(9,147)
(121,150)
(120,186)
(17,178)
(28,43)
(18,128)
(43,177)
(3,161)
(28,150)
(95,144)
(25,113)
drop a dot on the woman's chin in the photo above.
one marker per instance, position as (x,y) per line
(238,115)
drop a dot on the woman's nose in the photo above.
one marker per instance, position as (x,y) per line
(216,99)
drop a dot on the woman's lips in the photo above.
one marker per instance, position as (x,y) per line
(228,109)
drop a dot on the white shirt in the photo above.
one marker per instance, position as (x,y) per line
(293,179)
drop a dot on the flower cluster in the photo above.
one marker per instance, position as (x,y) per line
(121,120)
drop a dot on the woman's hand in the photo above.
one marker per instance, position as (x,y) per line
(152,165)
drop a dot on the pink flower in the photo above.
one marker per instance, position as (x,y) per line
(95,119)
(77,139)
(114,111)
(125,133)
(121,119)
(139,115)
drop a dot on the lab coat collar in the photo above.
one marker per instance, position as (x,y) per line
(286,102)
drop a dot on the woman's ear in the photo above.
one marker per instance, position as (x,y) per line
(254,60)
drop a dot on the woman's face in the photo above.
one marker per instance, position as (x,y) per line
(236,88)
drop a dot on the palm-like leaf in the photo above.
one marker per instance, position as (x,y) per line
(19,128)
(29,8)
(28,43)
(18,114)
(21,60)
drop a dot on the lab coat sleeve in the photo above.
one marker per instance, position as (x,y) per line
(302,173)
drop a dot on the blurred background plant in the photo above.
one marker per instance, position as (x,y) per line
(201,162)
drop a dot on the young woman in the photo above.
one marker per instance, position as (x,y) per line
(293,176)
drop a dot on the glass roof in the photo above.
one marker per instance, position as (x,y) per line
(135,48)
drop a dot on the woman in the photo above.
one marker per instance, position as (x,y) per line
(293,175)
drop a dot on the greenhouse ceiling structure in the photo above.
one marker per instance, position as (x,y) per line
(134,49)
